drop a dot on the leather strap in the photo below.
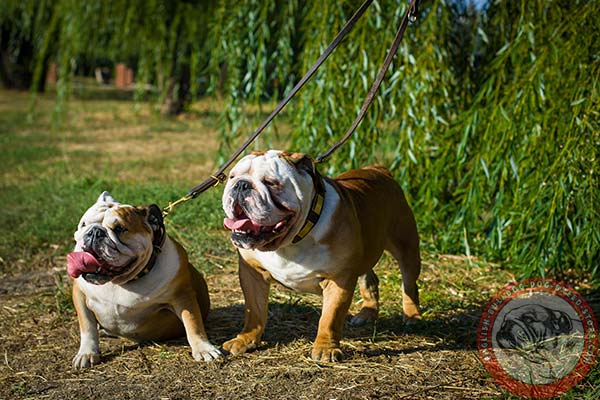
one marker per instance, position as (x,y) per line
(410,15)
(315,210)
(219,176)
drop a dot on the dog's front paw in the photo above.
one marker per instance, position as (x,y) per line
(206,352)
(239,345)
(327,353)
(85,360)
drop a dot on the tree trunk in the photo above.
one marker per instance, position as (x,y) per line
(177,92)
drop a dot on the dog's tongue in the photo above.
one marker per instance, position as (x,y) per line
(243,224)
(79,262)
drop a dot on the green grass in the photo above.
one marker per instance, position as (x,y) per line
(51,175)
(47,186)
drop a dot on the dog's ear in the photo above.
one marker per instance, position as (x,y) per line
(561,322)
(300,160)
(304,162)
(155,218)
(105,197)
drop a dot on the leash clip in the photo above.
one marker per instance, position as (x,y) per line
(221,178)
(172,205)
(412,13)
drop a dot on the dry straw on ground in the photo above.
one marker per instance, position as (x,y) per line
(436,359)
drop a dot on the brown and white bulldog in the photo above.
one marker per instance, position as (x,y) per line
(132,280)
(316,235)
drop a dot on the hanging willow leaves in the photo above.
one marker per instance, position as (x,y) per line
(488,117)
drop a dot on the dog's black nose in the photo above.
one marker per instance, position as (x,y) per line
(243,186)
(94,234)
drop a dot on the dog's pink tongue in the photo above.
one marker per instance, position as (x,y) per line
(79,262)
(243,224)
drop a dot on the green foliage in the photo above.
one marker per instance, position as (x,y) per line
(25,37)
(489,121)
(50,177)
(488,117)
(524,168)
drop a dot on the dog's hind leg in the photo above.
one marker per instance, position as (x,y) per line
(368,285)
(406,253)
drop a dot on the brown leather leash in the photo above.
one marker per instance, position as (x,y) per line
(410,15)
(220,177)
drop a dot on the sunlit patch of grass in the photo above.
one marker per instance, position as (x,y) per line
(44,197)
(51,175)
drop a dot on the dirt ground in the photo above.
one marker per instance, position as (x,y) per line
(436,359)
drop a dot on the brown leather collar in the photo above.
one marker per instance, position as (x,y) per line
(315,208)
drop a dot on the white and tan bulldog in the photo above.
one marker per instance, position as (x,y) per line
(132,280)
(316,235)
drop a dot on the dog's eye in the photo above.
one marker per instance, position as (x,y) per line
(82,225)
(269,182)
(118,229)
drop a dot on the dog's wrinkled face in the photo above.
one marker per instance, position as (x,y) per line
(533,328)
(114,241)
(267,198)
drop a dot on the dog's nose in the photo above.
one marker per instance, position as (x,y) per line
(95,233)
(242,186)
